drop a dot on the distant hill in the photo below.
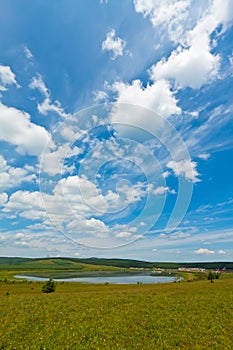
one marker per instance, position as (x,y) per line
(64,263)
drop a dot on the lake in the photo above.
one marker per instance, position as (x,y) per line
(118,279)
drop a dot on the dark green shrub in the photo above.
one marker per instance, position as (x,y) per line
(48,287)
(210,276)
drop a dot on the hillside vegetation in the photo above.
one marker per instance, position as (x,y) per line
(54,267)
(121,263)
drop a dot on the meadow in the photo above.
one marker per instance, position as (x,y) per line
(196,315)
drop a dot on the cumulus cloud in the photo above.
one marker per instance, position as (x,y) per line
(17,129)
(113,44)
(74,206)
(193,64)
(191,67)
(166,174)
(157,96)
(3,198)
(7,77)
(47,105)
(204,251)
(81,195)
(70,207)
(162,190)
(221,252)
(92,226)
(52,160)
(123,234)
(185,168)
(12,177)
(133,193)
(26,204)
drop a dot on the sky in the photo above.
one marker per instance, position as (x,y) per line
(116,129)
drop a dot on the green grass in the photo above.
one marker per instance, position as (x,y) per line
(197,315)
(53,268)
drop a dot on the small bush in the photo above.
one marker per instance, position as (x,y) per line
(211,276)
(48,287)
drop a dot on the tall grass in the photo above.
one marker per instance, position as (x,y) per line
(197,315)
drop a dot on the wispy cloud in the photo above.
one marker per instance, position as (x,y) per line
(115,45)
(47,105)
(28,53)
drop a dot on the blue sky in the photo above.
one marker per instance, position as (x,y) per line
(116,129)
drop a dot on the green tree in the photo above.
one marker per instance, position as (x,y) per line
(210,276)
(48,287)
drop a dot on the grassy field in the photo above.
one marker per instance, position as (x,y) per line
(54,268)
(196,315)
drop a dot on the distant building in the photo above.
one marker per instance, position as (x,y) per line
(191,269)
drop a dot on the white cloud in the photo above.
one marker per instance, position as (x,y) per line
(24,200)
(38,83)
(179,235)
(160,190)
(75,207)
(168,14)
(191,67)
(27,205)
(46,106)
(185,168)
(204,156)
(166,174)
(12,177)
(28,53)
(94,227)
(157,97)
(19,235)
(175,236)
(17,129)
(123,234)
(52,160)
(192,63)
(113,44)
(221,252)
(221,12)
(133,193)
(7,77)
(22,243)
(69,208)
(204,251)
(100,96)
(3,198)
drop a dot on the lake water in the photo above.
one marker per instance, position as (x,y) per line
(124,279)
